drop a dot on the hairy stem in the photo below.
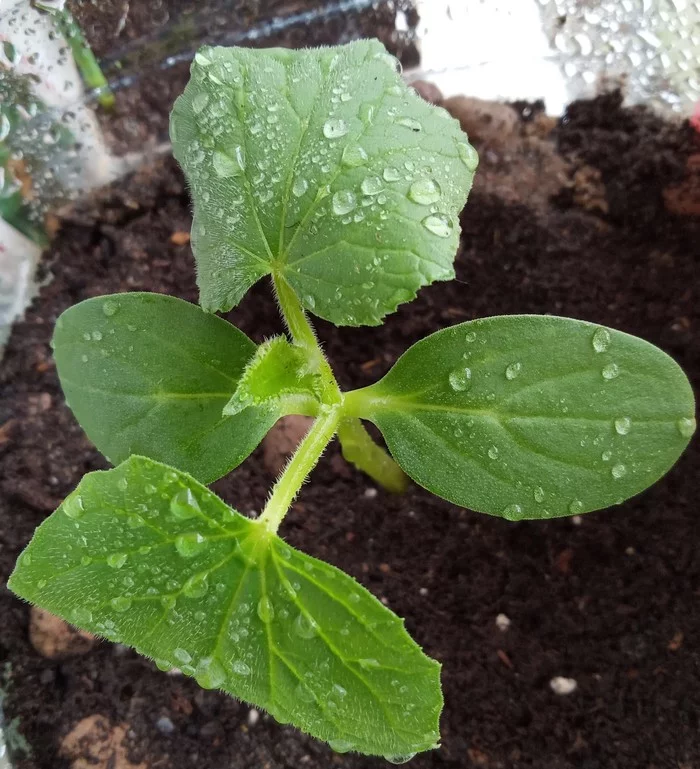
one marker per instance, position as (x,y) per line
(301,464)
(360,450)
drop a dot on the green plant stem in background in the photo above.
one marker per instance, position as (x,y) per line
(84,57)
(298,469)
(360,449)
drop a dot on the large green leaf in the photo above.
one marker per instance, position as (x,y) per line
(321,166)
(146,556)
(150,374)
(532,416)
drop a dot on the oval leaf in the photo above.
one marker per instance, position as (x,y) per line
(532,416)
(150,374)
(146,556)
(321,166)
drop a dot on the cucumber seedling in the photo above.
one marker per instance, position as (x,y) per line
(322,171)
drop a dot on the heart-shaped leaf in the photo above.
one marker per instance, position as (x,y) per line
(150,374)
(322,167)
(148,557)
(532,416)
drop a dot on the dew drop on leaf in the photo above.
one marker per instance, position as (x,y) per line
(226,166)
(408,122)
(686,427)
(512,370)
(601,340)
(190,545)
(110,308)
(196,586)
(618,471)
(424,192)
(438,224)
(576,506)
(468,155)
(513,512)
(210,673)
(135,521)
(493,452)
(74,507)
(353,156)
(371,185)
(623,425)
(120,603)
(299,187)
(335,128)
(399,759)
(200,102)
(606,456)
(81,616)
(184,505)
(116,560)
(460,379)
(182,656)
(340,746)
(241,668)
(266,611)
(611,371)
(391,174)
(343,202)
(304,627)
(539,494)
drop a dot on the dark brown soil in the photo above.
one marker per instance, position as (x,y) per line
(613,602)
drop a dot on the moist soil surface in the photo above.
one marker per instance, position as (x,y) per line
(611,601)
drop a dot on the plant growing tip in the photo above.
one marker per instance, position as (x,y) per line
(322,170)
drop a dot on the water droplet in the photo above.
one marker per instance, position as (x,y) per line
(576,507)
(122,484)
(513,369)
(686,427)
(493,452)
(340,745)
(368,664)
(391,174)
(601,340)
(460,379)
(468,155)
(408,122)
(371,185)
(299,187)
(199,102)
(210,673)
(96,336)
(339,691)
(539,494)
(121,603)
(110,308)
(611,371)
(335,128)
(623,425)
(470,336)
(184,505)
(424,192)
(201,59)
(438,224)
(81,616)
(266,610)
(86,560)
(353,156)
(182,656)
(618,471)
(116,560)
(305,627)
(196,586)
(343,202)
(241,668)
(73,506)
(190,545)
(135,521)
(41,584)
(226,165)
(513,513)
(303,693)
(399,759)
(606,456)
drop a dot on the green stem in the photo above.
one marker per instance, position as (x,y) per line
(360,450)
(301,464)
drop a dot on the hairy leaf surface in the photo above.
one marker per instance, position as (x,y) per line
(532,416)
(321,166)
(146,556)
(150,374)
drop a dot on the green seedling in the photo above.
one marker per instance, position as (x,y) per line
(320,170)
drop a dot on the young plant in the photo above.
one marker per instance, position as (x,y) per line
(320,169)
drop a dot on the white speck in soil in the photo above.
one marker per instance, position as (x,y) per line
(563,686)
(502,622)
(165,725)
(253,717)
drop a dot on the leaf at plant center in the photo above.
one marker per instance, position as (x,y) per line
(146,556)
(322,166)
(150,374)
(277,369)
(532,416)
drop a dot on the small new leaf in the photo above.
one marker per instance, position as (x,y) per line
(276,371)
(146,556)
(322,167)
(532,416)
(150,374)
